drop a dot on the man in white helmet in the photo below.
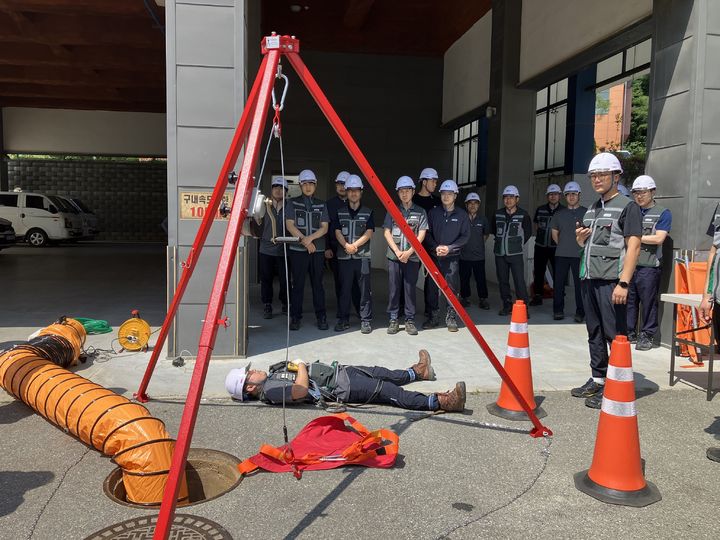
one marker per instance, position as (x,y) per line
(426,199)
(645,284)
(449,232)
(472,255)
(567,255)
(610,238)
(544,244)
(709,311)
(512,228)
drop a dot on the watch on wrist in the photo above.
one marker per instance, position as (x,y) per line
(623,284)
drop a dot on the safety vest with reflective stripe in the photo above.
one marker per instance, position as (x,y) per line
(650,254)
(307,220)
(509,233)
(604,251)
(353,228)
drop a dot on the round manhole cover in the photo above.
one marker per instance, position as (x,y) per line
(185,527)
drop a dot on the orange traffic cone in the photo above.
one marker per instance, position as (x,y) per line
(517,365)
(616,474)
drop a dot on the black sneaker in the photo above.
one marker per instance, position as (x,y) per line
(284,308)
(504,311)
(558,316)
(267,311)
(579,318)
(483,304)
(595,402)
(431,322)
(365,327)
(393,327)
(632,337)
(322,323)
(589,389)
(294,324)
(410,327)
(451,323)
(341,326)
(644,342)
(536,301)
(464,302)
(713,453)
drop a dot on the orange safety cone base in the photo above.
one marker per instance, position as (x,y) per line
(507,414)
(642,497)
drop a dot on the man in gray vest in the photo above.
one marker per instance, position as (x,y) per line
(544,243)
(610,238)
(403,262)
(354,226)
(645,284)
(511,228)
(307,218)
(271,256)
(709,311)
(567,256)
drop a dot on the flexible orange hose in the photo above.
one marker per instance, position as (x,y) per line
(138,443)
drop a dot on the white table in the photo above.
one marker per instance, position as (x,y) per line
(691,300)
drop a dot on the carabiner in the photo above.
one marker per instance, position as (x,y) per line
(279,75)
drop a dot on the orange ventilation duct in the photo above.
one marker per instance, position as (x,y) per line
(139,444)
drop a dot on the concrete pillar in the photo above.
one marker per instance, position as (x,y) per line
(4,177)
(511,130)
(206,88)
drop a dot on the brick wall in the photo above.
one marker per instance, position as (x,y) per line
(130,199)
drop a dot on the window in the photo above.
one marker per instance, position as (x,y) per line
(34,201)
(551,127)
(8,200)
(469,153)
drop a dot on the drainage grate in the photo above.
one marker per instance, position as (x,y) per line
(185,527)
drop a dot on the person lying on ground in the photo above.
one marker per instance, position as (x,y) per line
(336,383)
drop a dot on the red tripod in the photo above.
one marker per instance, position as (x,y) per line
(273,47)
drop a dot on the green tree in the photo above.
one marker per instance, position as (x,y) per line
(637,140)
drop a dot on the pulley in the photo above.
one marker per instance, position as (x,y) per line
(134,333)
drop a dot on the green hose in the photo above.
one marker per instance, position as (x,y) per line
(94,326)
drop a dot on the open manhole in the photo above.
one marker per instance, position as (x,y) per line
(210,474)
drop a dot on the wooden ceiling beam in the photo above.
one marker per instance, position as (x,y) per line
(116,8)
(356,13)
(81,92)
(59,76)
(126,58)
(87,104)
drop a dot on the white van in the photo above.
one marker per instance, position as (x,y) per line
(37,219)
(89,219)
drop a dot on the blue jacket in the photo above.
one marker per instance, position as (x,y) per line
(450,229)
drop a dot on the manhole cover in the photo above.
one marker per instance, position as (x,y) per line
(185,527)
(210,474)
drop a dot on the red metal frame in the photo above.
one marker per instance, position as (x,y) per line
(273,48)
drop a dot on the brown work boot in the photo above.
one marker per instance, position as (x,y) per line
(423,369)
(453,401)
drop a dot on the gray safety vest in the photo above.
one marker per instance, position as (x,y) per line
(307,221)
(353,228)
(544,214)
(604,251)
(509,234)
(414,216)
(650,254)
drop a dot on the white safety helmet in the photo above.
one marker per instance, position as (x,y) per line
(622,189)
(643,182)
(511,190)
(342,177)
(605,162)
(306,175)
(279,181)
(353,182)
(472,196)
(572,187)
(235,381)
(404,182)
(553,188)
(428,174)
(448,185)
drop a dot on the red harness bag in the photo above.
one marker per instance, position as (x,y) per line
(327,443)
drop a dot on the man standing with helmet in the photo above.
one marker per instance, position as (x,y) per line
(307,218)
(610,238)
(511,228)
(403,262)
(645,284)
(472,255)
(354,226)
(544,243)
(567,256)
(449,232)
(425,198)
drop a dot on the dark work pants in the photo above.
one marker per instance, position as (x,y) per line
(504,265)
(603,319)
(543,256)
(269,266)
(364,385)
(450,270)
(402,277)
(431,293)
(303,263)
(354,272)
(563,266)
(336,280)
(643,291)
(476,268)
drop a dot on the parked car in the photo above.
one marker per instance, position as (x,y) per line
(90,220)
(7,234)
(38,219)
